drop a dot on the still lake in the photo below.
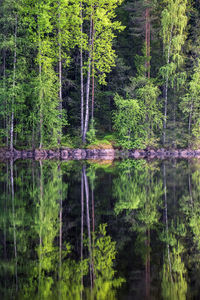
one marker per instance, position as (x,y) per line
(101,230)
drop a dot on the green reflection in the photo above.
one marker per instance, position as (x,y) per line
(104,253)
(139,193)
(39,260)
(174,283)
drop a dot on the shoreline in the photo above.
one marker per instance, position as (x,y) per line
(84,154)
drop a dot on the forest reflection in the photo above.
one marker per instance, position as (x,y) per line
(71,230)
(39,260)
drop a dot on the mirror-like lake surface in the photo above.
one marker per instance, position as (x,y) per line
(100,230)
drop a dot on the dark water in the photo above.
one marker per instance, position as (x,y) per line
(100,230)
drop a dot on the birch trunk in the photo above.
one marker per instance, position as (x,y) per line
(82,219)
(14,84)
(92,110)
(81,70)
(88,86)
(166,91)
(40,93)
(88,223)
(166,220)
(190,119)
(6,120)
(60,229)
(60,75)
(14,225)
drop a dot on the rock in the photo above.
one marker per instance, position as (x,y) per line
(50,154)
(152,152)
(175,153)
(24,154)
(8,154)
(64,154)
(53,154)
(17,154)
(197,152)
(107,153)
(40,154)
(183,153)
(92,153)
(30,154)
(134,153)
(78,154)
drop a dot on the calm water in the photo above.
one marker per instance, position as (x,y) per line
(100,230)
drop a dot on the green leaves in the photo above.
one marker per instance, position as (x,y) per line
(127,122)
(138,119)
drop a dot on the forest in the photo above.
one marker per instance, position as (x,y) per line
(99,73)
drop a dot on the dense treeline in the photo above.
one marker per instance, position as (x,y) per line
(72,72)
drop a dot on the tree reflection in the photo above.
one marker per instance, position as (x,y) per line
(102,251)
(139,194)
(174,283)
(42,259)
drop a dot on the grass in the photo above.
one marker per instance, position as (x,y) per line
(107,141)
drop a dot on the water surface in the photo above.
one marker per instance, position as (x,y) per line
(100,230)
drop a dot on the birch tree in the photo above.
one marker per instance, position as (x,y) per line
(38,19)
(100,53)
(174,22)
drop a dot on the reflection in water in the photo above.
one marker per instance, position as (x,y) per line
(174,284)
(55,244)
(39,260)
(139,193)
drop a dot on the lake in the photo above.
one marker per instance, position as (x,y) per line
(105,230)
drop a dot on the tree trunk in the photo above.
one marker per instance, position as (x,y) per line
(166,220)
(40,93)
(88,85)
(148,264)
(81,70)
(92,110)
(60,217)
(166,91)
(60,75)
(82,219)
(190,119)
(6,192)
(14,225)
(88,223)
(6,121)
(147,41)
(40,231)
(14,84)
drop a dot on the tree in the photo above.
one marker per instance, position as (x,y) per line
(100,52)
(190,104)
(128,120)
(37,15)
(174,22)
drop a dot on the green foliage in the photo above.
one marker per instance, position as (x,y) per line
(147,94)
(190,102)
(104,255)
(142,196)
(174,283)
(127,122)
(138,118)
(105,26)
(174,22)
(91,134)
